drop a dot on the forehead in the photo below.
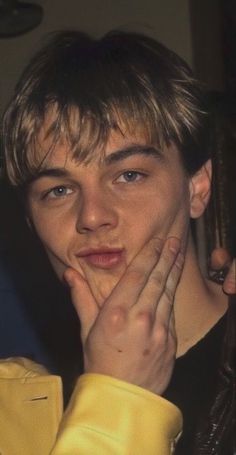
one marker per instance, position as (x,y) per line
(118,146)
(118,151)
(61,146)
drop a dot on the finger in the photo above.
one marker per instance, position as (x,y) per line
(220,259)
(82,299)
(157,282)
(166,302)
(229,285)
(131,284)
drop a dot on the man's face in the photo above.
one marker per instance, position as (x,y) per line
(97,217)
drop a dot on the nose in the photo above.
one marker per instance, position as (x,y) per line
(96,212)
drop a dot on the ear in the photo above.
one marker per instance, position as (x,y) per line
(200,190)
(29,222)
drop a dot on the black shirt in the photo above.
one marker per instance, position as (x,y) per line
(193,384)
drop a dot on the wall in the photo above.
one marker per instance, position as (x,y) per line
(167,20)
(206,19)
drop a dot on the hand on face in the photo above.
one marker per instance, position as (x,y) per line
(132,337)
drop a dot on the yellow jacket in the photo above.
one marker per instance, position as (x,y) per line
(105,416)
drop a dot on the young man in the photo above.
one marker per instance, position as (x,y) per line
(106,142)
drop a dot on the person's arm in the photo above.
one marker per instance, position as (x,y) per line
(112,417)
(129,351)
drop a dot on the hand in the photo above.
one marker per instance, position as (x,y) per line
(132,337)
(222,264)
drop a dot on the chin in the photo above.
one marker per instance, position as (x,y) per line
(101,293)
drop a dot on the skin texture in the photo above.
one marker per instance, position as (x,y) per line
(133,336)
(133,202)
(100,207)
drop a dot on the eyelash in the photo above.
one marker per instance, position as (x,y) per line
(49,194)
(138,174)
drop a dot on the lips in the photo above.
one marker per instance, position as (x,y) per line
(104,258)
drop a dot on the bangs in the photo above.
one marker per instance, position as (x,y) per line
(84,123)
(86,133)
(79,90)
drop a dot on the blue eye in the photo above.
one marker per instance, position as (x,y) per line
(130,176)
(59,191)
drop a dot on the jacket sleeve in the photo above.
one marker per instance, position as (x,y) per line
(111,417)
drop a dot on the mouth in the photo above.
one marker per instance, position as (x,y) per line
(102,258)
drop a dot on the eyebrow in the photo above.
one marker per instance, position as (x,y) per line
(50,172)
(122,154)
(113,157)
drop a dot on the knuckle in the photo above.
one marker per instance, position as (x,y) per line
(169,295)
(155,253)
(157,278)
(144,319)
(179,263)
(167,257)
(161,335)
(116,316)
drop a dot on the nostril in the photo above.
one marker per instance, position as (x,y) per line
(93,217)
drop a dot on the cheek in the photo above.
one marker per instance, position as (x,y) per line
(49,234)
(58,237)
(160,217)
(55,238)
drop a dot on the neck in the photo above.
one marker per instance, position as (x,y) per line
(199,304)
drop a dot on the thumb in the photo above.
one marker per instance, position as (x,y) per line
(82,299)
